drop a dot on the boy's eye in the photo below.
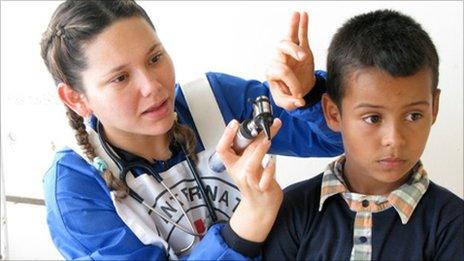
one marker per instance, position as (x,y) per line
(413,116)
(155,58)
(372,119)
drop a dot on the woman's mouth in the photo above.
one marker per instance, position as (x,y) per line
(157,111)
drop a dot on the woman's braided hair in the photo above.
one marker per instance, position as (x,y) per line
(74,24)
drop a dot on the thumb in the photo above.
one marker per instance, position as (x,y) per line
(299,102)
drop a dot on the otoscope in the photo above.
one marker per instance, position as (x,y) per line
(249,129)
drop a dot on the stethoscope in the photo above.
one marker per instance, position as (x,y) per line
(126,167)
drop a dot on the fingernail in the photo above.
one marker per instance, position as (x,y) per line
(300,55)
(299,103)
(272,158)
(232,123)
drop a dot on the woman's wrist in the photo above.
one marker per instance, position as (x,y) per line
(316,92)
(245,247)
(253,223)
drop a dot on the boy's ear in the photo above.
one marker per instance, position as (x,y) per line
(74,100)
(435,105)
(331,113)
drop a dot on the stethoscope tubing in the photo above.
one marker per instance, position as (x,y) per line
(201,186)
(124,170)
(161,215)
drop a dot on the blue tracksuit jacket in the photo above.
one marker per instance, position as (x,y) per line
(81,216)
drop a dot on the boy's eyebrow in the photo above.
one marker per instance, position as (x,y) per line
(153,48)
(418,103)
(115,69)
(368,105)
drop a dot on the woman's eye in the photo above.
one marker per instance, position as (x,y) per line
(155,58)
(120,78)
(372,119)
(413,116)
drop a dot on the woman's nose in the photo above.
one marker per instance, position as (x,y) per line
(149,84)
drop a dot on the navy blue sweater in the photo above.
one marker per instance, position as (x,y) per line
(434,231)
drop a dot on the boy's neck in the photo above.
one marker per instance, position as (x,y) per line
(362,183)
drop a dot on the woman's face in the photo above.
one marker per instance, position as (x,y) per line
(129,81)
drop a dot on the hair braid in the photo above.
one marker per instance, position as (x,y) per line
(74,24)
(184,136)
(82,138)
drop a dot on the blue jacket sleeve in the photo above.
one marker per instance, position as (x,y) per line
(213,247)
(304,131)
(84,225)
(81,217)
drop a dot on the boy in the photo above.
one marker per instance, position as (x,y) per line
(376,201)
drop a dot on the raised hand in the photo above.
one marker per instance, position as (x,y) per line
(261,194)
(291,73)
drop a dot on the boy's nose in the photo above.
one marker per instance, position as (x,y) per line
(393,136)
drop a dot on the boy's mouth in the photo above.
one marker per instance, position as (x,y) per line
(392,162)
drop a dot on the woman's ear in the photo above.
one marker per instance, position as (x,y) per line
(74,100)
(331,113)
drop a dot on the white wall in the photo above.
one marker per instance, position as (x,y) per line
(232,37)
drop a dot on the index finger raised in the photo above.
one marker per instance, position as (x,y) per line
(293,30)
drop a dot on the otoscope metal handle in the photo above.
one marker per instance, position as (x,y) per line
(249,129)
(240,143)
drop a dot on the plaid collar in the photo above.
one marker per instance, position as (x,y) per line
(404,199)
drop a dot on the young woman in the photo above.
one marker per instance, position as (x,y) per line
(138,184)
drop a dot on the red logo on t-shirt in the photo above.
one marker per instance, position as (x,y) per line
(199,225)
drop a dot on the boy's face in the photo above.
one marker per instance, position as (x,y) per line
(385,122)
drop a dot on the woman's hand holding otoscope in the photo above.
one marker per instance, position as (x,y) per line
(261,194)
(248,131)
(242,148)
